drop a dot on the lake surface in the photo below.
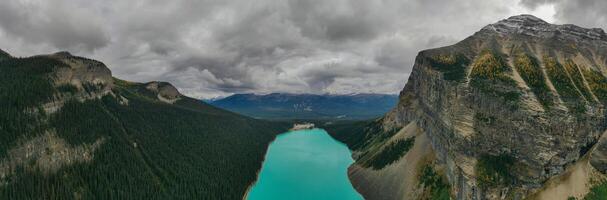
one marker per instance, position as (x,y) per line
(305,164)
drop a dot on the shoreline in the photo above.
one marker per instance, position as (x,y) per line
(248,190)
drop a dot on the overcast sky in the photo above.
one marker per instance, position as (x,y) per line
(216,48)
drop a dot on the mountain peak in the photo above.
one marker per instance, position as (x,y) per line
(526,18)
(530,25)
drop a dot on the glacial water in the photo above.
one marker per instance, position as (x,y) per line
(305,164)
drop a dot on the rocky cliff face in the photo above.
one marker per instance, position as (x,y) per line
(163,91)
(510,107)
(77,78)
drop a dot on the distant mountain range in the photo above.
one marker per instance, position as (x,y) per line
(308,106)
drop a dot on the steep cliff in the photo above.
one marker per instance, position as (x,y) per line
(506,110)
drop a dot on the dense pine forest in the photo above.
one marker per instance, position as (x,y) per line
(124,145)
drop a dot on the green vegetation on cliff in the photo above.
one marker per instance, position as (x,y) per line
(597,83)
(576,76)
(560,79)
(531,72)
(598,192)
(490,74)
(563,85)
(492,67)
(435,186)
(368,137)
(359,135)
(390,154)
(484,118)
(493,171)
(453,67)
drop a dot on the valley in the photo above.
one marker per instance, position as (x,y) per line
(376,100)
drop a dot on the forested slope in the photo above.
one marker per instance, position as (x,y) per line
(68,130)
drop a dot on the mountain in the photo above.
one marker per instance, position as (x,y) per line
(515,111)
(308,106)
(69,130)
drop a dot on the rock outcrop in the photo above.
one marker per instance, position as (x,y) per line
(523,94)
(164,91)
(47,153)
(89,76)
(598,158)
(78,78)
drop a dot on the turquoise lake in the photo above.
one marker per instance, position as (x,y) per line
(305,164)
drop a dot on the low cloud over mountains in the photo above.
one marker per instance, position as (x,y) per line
(211,48)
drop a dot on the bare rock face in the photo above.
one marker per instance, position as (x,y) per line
(47,153)
(80,78)
(89,75)
(521,90)
(598,158)
(532,26)
(164,91)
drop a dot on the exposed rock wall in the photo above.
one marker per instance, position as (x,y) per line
(164,91)
(88,79)
(46,153)
(491,107)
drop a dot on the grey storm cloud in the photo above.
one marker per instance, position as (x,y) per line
(49,22)
(587,13)
(218,47)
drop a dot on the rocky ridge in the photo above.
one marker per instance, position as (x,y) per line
(164,91)
(81,79)
(533,26)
